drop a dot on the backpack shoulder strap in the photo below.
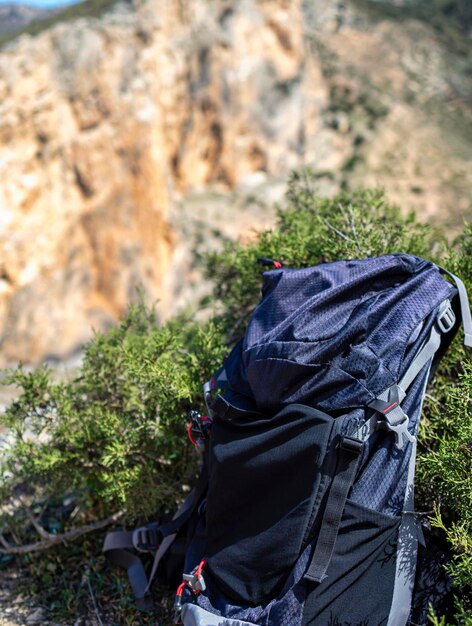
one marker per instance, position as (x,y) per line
(123,548)
(350,449)
(388,403)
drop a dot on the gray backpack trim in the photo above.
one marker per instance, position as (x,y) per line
(409,535)
(193,615)
(409,532)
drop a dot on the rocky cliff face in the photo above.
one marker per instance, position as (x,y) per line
(106,125)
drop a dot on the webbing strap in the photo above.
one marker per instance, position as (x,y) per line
(168,540)
(181,518)
(225,411)
(424,355)
(217,381)
(349,453)
(136,575)
(120,546)
(465,307)
(407,550)
(143,539)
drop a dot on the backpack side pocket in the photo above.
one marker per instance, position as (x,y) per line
(264,478)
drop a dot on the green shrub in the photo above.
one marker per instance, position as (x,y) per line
(312,230)
(113,439)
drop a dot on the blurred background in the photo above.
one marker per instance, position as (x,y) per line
(136,135)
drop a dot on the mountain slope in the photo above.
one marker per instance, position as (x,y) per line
(15,17)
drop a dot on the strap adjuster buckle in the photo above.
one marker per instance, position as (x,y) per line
(352,445)
(144,539)
(446,318)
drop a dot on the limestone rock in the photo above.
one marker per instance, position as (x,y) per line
(108,124)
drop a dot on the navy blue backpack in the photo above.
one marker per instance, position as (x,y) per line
(303,513)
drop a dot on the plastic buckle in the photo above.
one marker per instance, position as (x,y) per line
(144,539)
(200,425)
(195,581)
(400,430)
(386,406)
(446,318)
(396,419)
(352,445)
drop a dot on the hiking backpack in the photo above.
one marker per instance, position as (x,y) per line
(303,513)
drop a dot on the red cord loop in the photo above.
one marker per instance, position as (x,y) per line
(198,571)
(189,433)
(195,582)
(180,589)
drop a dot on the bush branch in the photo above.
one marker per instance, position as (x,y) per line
(42,532)
(54,540)
(336,230)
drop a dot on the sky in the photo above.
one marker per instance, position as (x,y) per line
(45,4)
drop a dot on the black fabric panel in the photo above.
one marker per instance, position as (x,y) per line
(264,476)
(359,584)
